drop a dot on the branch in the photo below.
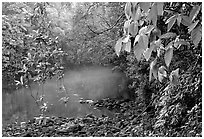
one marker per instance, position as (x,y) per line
(87,12)
(98,33)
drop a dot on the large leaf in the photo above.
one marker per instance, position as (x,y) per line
(128,46)
(160,8)
(126,27)
(137,14)
(128,10)
(118,46)
(133,29)
(143,41)
(194,12)
(174,77)
(153,14)
(153,70)
(192,26)
(196,35)
(127,24)
(168,55)
(171,21)
(168,35)
(186,20)
(147,53)
(145,6)
(138,50)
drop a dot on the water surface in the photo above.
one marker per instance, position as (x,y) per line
(84,83)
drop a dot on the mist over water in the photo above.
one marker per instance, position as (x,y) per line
(81,83)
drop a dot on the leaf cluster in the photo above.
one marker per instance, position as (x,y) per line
(168,37)
(29,50)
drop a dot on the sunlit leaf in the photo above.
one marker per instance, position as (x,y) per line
(136,39)
(127,24)
(138,50)
(126,27)
(171,18)
(137,14)
(192,26)
(118,46)
(153,70)
(143,41)
(171,21)
(140,41)
(147,53)
(126,39)
(143,30)
(145,6)
(128,10)
(141,22)
(194,12)
(153,14)
(174,77)
(168,56)
(168,35)
(196,35)
(128,46)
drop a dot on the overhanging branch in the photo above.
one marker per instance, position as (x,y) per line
(101,32)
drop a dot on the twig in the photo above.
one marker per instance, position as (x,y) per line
(98,33)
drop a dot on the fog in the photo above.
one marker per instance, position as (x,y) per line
(81,83)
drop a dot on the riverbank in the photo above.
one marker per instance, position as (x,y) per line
(123,123)
(129,120)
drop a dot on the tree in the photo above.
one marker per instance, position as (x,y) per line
(161,33)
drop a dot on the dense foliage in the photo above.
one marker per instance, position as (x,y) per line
(169,36)
(157,45)
(29,50)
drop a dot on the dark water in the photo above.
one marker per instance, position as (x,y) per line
(85,83)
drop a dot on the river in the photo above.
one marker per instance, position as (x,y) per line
(62,97)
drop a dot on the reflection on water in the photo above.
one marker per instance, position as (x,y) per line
(86,83)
